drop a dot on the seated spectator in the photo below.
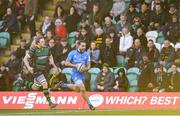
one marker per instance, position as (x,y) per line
(153,53)
(59,13)
(108,25)
(174,80)
(60,29)
(48,36)
(177,57)
(171,12)
(99,37)
(72,20)
(172,31)
(145,80)
(145,14)
(122,23)
(137,24)
(108,53)
(94,54)
(118,8)
(83,23)
(80,6)
(140,35)
(167,55)
(85,35)
(105,80)
(115,39)
(2,9)
(131,13)
(134,54)
(126,41)
(10,21)
(65,4)
(121,82)
(47,25)
(5,79)
(160,83)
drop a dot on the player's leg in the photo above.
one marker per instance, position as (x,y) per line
(42,80)
(82,88)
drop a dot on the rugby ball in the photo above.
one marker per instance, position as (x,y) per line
(80,67)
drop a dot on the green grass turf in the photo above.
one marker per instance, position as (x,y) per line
(88,112)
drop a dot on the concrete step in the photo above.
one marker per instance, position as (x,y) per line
(26,36)
(14,47)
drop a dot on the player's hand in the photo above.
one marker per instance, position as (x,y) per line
(31,70)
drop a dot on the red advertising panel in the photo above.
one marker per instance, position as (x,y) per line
(101,100)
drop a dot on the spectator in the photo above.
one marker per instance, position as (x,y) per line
(2,9)
(158,16)
(140,35)
(160,83)
(172,31)
(48,36)
(137,24)
(153,53)
(177,57)
(99,37)
(5,79)
(95,55)
(10,21)
(118,8)
(115,39)
(47,25)
(171,12)
(31,9)
(167,55)
(108,25)
(131,13)
(11,4)
(174,80)
(145,14)
(145,81)
(105,7)
(95,15)
(105,80)
(126,41)
(72,20)
(60,28)
(21,51)
(134,54)
(121,82)
(122,23)
(109,51)
(59,13)
(20,4)
(80,6)
(65,4)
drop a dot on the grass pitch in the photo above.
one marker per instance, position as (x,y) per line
(88,112)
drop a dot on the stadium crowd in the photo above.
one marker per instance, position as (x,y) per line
(120,36)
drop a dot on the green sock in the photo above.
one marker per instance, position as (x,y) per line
(46,94)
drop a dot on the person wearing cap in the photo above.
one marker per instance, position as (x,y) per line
(105,80)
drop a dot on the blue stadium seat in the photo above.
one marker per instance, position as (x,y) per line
(133,83)
(170,70)
(134,70)
(93,72)
(160,38)
(4,39)
(132,76)
(68,73)
(120,61)
(71,38)
(133,89)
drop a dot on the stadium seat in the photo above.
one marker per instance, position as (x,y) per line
(132,76)
(158,46)
(134,70)
(1,25)
(111,69)
(4,39)
(71,38)
(160,38)
(68,73)
(170,70)
(133,89)
(152,35)
(120,61)
(133,83)
(93,72)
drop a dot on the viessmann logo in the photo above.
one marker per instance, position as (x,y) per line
(96,100)
(32,99)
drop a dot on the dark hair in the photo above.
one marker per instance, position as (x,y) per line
(81,41)
(123,71)
(55,13)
